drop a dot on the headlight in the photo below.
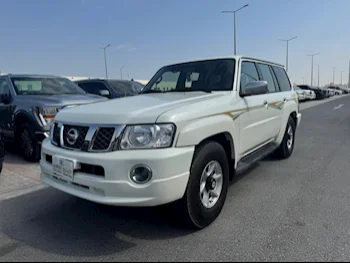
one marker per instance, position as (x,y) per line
(46,114)
(147,136)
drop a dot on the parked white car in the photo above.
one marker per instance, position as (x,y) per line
(301,93)
(194,125)
(310,94)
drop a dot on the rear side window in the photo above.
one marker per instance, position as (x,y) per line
(249,73)
(282,79)
(267,76)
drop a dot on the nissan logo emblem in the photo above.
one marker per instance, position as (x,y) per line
(72,136)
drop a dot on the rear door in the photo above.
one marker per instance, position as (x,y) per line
(275,99)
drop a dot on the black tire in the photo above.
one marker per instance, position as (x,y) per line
(190,208)
(285,150)
(28,144)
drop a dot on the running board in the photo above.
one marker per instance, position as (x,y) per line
(250,159)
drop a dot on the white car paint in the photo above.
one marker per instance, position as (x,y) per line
(301,93)
(197,116)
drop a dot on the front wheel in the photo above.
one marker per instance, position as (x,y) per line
(28,144)
(286,148)
(207,187)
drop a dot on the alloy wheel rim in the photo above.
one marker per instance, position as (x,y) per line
(290,137)
(211,184)
(26,140)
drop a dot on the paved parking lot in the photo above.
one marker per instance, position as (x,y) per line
(297,209)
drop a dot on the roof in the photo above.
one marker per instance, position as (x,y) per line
(98,79)
(229,57)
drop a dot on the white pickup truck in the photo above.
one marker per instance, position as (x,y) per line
(193,127)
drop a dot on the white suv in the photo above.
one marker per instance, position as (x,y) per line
(193,126)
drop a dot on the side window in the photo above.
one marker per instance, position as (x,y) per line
(249,73)
(4,87)
(282,79)
(168,81)
(267,76)
(192,77)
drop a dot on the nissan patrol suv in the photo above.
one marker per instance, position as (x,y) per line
(193,127)
(28,104)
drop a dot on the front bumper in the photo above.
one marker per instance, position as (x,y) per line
(170,169)
(41,135)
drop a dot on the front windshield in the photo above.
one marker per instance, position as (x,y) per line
(297,88)
(207,76)
(45,86)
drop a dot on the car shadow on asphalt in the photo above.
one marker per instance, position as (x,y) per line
(54,222)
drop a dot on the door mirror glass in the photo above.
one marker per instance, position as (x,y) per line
(105,93)
(255,88)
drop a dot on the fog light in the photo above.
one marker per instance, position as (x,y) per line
(141,174)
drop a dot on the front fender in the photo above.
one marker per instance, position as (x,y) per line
(200,129)
(22,116)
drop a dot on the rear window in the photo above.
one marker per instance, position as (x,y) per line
(125,88)
(282,78)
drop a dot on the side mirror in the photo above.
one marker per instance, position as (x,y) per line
(255,88)
(5,98)
(105,93)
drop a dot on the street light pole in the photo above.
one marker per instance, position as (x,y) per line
(234,21)
(121,72)
(104,50)
(287,41)
(341,77)
(318,75)
(334,75)
(312,66)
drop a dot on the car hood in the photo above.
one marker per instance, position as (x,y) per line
(59,100)
(144,108)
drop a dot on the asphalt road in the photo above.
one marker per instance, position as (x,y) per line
(292,210)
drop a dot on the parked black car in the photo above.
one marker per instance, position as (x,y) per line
(2,151)
(338,88)
(29,103)
(320,94)
(111,88)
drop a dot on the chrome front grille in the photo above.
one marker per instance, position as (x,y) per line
(103,138)
(79,141)
(88,138)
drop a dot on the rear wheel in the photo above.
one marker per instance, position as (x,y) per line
(207,187)
(286,148)
(28,144)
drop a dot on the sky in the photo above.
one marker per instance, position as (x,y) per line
(65,37)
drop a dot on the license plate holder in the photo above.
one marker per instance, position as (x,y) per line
(63,168)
